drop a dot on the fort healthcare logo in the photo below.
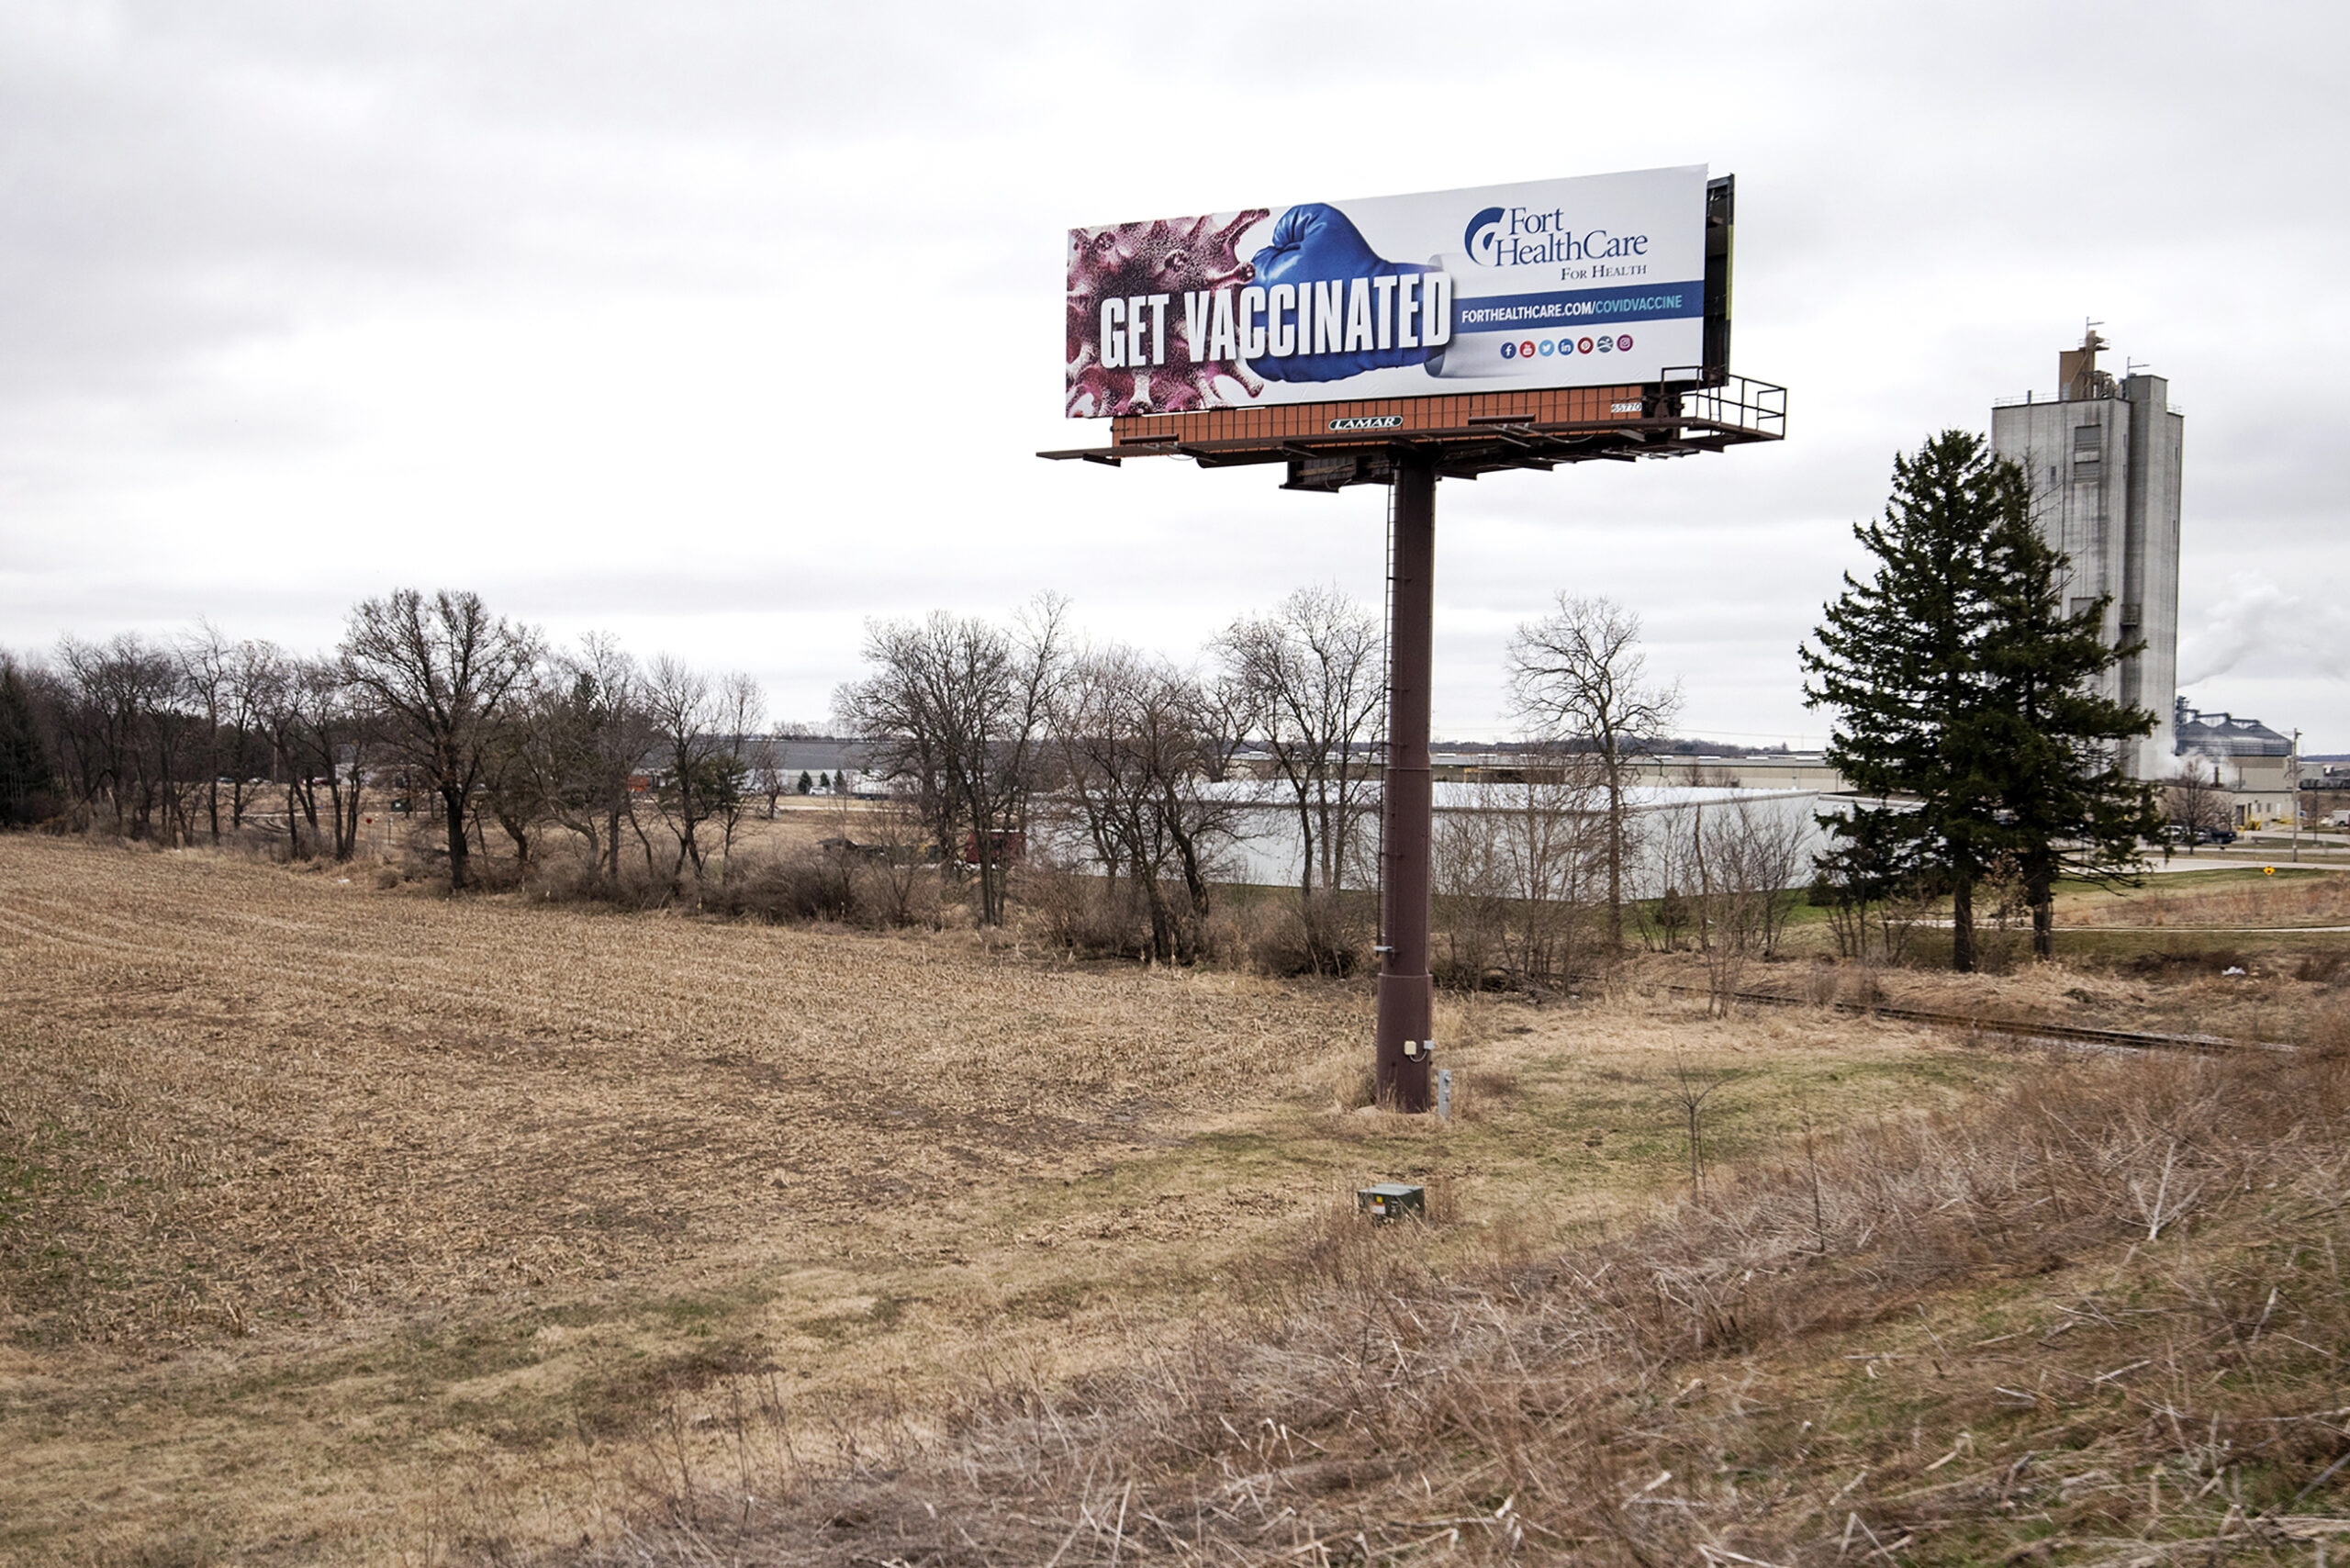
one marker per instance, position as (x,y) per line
(1480,240)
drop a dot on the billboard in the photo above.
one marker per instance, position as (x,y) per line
(1587,281)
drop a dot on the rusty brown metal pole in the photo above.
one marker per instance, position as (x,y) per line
(1406,994)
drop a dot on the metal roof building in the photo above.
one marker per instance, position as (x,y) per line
(2224,735)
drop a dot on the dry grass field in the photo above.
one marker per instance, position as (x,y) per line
(343,1223)
(318,1192)
(2233,897)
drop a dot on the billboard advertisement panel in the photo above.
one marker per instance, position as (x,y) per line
(1587,281)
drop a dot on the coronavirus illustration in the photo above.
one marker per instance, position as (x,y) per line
(1133,262)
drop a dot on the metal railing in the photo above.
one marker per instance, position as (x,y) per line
(1740,403)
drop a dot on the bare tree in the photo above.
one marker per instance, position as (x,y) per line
(1577,676)
(741,709)
(680,708)
(1516,872)
(205,656)
(130,732)
(517,770)
(1733,893)
(441,671)
(255,672)
(955,713)
(27,783)
(1306,680)
(703,730)
(224,682)
(2194,805)
(1138,741)
(1663,900)
(275,694)
(1773,853)
(587,736)
(329,728)
(1744,860)
(765,757)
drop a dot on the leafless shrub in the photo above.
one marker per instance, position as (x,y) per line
(2322,968)
(1079,912)
(1518,874)
(1329,935)
(892,862)
(2004,902)
(1865,985)
(2329,1033)
(815,883)
(1909,907)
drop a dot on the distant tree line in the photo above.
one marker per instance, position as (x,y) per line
(431,707)
(987,740)
(1010,739)
(1110,787)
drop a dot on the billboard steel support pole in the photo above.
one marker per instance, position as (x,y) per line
(1406,994)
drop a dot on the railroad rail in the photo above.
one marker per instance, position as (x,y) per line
(2077,1034)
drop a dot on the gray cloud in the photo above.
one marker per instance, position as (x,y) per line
(727,324)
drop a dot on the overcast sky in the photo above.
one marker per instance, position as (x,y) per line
(728,326)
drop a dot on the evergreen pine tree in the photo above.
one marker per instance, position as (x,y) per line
(1964,696)
(2068,805)
(1896,658)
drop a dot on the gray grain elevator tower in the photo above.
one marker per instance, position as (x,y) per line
(2103,458)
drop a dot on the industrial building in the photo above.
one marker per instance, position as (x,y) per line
(2104,460)
(2252,762)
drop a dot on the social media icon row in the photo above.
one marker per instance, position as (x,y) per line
(1548,346)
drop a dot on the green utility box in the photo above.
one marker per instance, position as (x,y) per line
(1392,1200)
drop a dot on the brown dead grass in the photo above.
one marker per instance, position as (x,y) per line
(2287,896)
(2182,985)
(2095,1319)
(343,1224)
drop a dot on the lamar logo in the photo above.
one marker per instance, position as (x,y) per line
(1368,423)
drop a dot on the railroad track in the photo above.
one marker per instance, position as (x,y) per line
(2077,1034)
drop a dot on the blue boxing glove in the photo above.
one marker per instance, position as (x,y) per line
(1317,252)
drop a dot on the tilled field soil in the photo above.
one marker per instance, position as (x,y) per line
(340,1223)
